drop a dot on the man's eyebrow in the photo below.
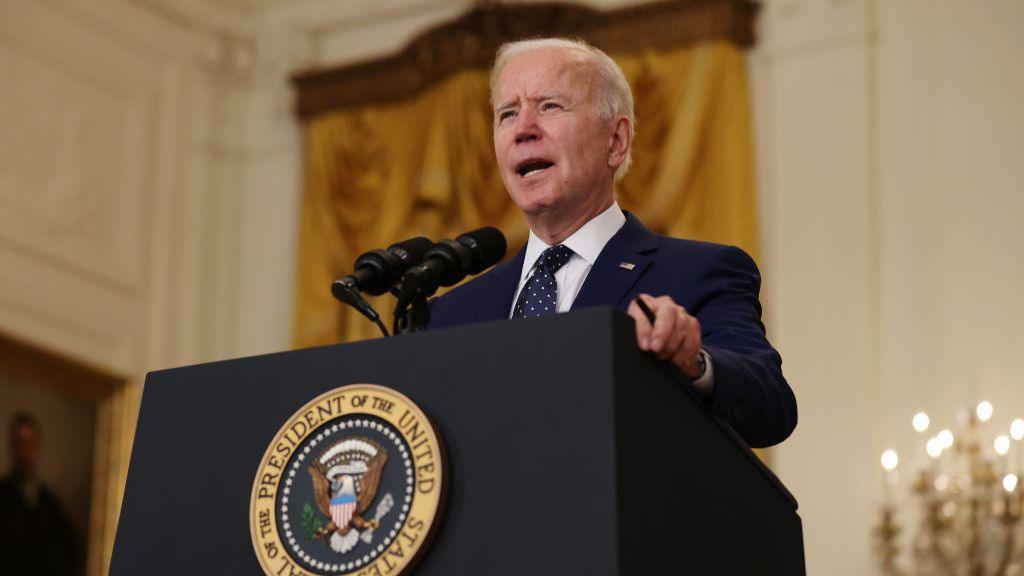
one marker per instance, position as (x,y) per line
(512,102)
(507,104)
(549,96)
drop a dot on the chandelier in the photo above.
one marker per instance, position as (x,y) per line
(965,502)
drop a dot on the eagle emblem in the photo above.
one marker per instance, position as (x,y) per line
(345,481)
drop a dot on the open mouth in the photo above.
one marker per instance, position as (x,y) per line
(532,167)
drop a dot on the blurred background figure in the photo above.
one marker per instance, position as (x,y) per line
(35,535)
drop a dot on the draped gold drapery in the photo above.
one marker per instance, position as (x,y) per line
(378,173)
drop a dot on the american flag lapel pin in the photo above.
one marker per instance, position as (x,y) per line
(627,265)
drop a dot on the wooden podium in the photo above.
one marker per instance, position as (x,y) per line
(569,450)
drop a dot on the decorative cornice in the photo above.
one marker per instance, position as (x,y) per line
(471,41)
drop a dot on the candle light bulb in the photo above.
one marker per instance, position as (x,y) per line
(934,447)
(1002,444)
(984,410)
(1010,482)
(921,422)
(890,460)
(1017,429)
(945,438)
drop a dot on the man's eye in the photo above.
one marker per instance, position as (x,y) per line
(502,116)
(551,106)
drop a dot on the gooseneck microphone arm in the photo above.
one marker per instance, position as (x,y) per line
(444,264)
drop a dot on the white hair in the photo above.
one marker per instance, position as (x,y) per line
(613,96)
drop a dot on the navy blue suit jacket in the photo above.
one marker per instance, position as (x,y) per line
(715,283)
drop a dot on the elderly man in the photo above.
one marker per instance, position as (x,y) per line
(563,127)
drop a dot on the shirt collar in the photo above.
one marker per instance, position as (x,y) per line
(587,242)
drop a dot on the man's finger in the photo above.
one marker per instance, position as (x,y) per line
(666,314)
(686,356)
(676,338)
(643,325)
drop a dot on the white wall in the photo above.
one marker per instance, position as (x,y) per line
(890,148)
(138,221)
(137,230)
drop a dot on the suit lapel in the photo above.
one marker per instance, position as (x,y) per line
(505,280)
(620,264)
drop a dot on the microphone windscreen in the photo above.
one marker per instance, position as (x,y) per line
(487,245)
(411,251)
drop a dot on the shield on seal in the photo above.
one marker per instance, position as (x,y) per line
(342,508)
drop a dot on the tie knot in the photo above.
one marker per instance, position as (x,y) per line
(555,257)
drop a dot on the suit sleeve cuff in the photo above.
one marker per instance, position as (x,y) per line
(705,384)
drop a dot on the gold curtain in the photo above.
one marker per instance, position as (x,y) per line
(379,173)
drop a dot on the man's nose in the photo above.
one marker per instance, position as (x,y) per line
(526,126)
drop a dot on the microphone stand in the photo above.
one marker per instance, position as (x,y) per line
(412,313)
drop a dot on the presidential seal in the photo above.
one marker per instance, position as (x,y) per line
(353,483)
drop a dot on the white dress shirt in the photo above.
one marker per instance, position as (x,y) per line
(586,244)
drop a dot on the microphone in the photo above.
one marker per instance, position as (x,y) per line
(377,270)
(449,261)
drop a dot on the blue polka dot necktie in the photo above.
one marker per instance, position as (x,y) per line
(540,293)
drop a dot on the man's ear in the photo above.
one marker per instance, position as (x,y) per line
(620,141)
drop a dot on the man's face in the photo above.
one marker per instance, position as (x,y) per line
(553,149)
(25,449)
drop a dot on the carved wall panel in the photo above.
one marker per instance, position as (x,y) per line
(78,175)
(111,251)
(889,133)
(70,185)
(73,172)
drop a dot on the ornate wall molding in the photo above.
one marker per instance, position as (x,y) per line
(119,218)
(37,367)
(77,156)
(471,41)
